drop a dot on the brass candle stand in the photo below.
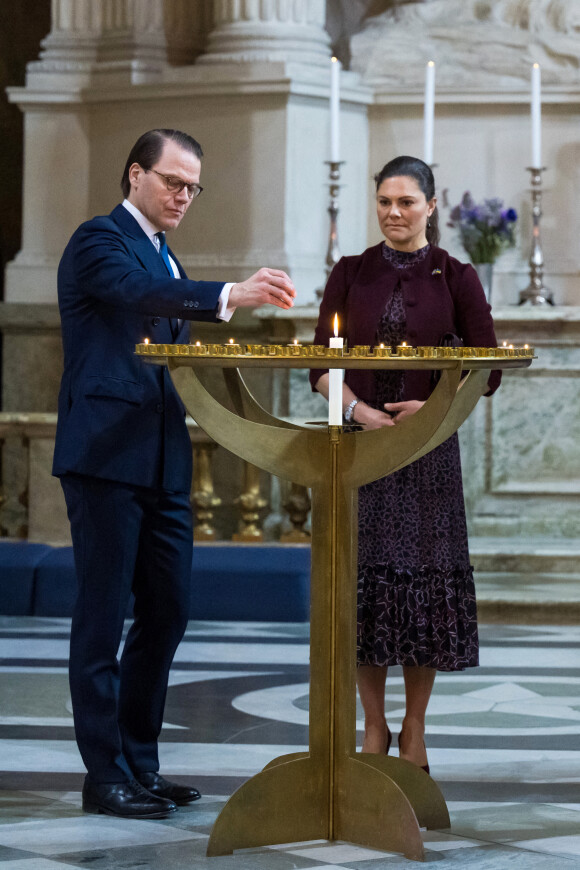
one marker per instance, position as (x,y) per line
(330,792)
(535,293)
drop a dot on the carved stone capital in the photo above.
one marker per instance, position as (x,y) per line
(268,30)
(119,38)
(187,26)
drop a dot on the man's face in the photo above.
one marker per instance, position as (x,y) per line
(149,191)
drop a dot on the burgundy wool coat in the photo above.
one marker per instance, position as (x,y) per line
(441,295)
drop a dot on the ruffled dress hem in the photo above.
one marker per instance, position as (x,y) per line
(422,616)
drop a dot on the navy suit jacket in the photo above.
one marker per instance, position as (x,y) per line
(119,417)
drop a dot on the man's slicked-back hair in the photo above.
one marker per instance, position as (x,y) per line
(147,150)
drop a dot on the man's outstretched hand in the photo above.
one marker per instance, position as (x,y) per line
(265,287)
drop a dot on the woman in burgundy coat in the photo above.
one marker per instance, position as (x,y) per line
(416,595)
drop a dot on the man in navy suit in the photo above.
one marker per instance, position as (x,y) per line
(123,455)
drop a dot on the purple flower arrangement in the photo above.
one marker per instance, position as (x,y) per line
(485,229)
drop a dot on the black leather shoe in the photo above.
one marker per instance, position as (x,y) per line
(129,800)
(160,787)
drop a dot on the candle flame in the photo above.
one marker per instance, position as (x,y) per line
(145,341)
(198,343)
(335,60)
(431,63)
(536,66)
(404,344)
(526,346)
(511,347)
(336,325)
(295,341)
(505,344)
(231,341)
(381,345)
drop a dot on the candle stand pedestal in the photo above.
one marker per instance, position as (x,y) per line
(330,792)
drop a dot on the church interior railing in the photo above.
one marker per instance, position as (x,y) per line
(231,500)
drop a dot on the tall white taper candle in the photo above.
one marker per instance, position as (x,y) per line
(335,110)
(429,113)
(335,377)
(536,116)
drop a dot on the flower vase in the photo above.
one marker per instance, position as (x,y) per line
(485,275)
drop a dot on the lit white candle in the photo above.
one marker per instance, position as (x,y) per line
(335,110)
(429,113)
(335,377)
(536,116)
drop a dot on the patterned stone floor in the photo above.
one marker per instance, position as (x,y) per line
(503,742)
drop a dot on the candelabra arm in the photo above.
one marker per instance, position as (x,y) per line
(276,449)
(244,404)
(381,451)
(470,390)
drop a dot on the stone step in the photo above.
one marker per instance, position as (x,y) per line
(526,581)
(528,598)
(536,555)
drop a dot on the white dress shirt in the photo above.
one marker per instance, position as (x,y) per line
(224,312)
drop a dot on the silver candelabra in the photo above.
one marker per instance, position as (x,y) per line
(332,251)
(535,293)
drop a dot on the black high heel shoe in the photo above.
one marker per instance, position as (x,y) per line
(389,740)
(424,767)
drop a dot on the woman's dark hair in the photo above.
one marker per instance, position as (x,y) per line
(421,172)
(147,150)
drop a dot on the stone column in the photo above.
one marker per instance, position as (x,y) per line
(106,42)
(187,25)
(268,30)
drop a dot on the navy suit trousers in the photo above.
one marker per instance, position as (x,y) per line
(126,539)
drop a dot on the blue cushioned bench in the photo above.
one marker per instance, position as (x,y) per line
(18,564)
(262,582)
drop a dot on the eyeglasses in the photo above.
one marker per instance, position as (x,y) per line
(176,185)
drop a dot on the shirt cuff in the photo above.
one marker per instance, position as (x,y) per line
(224,311)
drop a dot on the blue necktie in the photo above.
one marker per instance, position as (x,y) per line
(164,253)
(175,324)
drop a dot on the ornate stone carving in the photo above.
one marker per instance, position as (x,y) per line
(268,30)
(478,43)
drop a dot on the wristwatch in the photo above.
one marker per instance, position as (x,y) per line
(349,411)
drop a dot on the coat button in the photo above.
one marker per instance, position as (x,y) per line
(156,321)
(159,408)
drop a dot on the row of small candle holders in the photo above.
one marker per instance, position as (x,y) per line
(320,351)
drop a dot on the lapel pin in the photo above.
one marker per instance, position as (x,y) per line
(436,272)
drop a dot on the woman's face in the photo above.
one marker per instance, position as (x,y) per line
(403,211)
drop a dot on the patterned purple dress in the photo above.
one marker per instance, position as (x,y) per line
(416,595)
